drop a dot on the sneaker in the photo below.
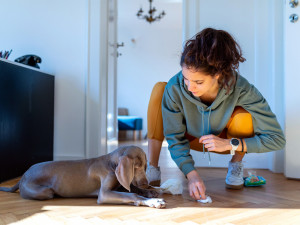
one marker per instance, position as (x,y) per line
(153,175)
(234,178)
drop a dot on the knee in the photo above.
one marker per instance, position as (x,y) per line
(160,85)
(154,105)
(154,114)
(158,91)
(241,124)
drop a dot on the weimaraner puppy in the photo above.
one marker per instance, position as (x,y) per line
(103,177)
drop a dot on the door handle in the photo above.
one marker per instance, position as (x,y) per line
(120,45)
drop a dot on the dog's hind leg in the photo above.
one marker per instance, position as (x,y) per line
(38,192)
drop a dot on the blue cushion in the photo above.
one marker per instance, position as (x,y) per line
(130,123)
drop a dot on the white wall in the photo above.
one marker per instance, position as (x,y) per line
(151,52)
(58,31)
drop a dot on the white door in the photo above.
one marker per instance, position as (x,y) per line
(258,28)
(292,94)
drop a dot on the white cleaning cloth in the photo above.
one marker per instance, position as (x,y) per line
(171,186)
(207,200)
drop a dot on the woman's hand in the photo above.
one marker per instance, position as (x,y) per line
(196,186)
(214,143)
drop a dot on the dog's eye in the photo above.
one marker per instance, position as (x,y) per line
(138,165)
(138,162)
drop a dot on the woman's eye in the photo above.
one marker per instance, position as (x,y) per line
(200,83)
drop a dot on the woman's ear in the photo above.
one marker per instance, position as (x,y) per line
(125,171)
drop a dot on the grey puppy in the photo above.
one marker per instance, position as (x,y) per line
(116,178)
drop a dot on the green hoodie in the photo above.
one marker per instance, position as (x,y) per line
(182,112)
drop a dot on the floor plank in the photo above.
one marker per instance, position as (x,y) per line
(277,202)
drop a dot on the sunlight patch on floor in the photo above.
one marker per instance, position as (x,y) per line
(110,215)
(130,215)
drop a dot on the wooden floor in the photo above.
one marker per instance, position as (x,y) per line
(278,202)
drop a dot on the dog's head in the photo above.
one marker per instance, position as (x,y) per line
(131,168)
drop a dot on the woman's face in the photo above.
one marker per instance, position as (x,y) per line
(199,83)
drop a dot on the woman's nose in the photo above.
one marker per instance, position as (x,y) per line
(191,86)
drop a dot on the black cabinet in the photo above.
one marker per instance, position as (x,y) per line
(26,118)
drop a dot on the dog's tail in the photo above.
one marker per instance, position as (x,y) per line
(11,189)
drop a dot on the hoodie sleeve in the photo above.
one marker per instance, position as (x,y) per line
(174,131)
(268,133)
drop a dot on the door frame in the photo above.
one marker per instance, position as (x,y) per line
(292,80)
(96,80)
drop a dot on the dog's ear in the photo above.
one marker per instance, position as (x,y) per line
(125,171)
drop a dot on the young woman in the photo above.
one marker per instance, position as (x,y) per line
(208,106)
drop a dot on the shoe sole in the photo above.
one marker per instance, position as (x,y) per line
(236,187)
(155,183)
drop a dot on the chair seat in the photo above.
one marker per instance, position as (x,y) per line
(130,123)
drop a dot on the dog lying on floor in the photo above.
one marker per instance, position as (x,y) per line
(116,178)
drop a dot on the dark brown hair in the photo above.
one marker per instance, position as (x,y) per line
(213,52)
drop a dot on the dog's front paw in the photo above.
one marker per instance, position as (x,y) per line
(158,203)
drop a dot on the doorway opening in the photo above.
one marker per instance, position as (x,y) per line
(150,54)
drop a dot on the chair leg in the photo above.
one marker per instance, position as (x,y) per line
(140,134)
(134,135)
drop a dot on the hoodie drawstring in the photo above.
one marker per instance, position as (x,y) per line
(208,131)
(208,127)
(203,132)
